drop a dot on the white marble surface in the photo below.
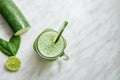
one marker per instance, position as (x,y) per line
(93,37)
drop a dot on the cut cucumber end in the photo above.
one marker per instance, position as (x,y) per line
(21,31)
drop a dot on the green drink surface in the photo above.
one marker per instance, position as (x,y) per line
(47,47)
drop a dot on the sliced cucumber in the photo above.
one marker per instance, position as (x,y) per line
(14,17)
(21,31)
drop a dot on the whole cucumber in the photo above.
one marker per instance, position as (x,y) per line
(14,17)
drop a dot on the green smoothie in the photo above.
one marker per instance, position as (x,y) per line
(50,44)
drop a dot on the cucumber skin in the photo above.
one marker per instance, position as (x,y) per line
(13,15)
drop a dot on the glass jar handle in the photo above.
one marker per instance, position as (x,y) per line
(64,57)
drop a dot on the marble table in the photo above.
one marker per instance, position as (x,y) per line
(93,37)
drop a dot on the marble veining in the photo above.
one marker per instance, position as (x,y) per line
(93,37)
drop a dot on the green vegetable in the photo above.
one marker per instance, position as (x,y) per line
(10,48)
(14,17)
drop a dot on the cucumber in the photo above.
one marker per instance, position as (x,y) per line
(14,17)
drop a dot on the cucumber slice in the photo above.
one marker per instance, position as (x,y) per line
(14,17)
(21,31)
